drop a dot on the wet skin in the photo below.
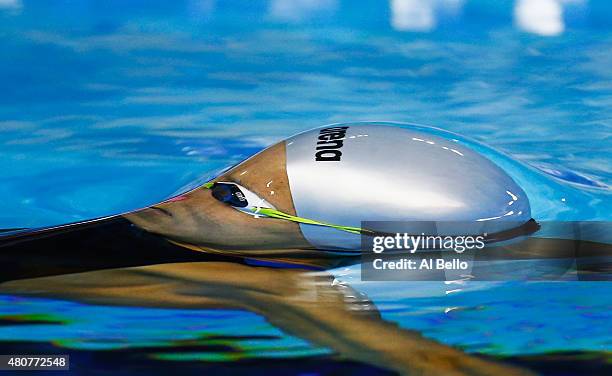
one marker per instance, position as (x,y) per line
(199,221)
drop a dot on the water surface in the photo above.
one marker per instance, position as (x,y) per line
(111,106)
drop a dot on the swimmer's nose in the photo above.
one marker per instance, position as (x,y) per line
(177,198)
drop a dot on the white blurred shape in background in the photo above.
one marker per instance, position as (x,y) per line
(298,10)
(10,4)
(420,15)
(413,15)
(542,17)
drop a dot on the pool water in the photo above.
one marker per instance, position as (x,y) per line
(111,106)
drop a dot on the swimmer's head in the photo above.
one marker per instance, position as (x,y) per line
(340,175)
(199,218)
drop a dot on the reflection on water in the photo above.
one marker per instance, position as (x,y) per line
(100,107)
(220,312)
(247,335)
(306,304)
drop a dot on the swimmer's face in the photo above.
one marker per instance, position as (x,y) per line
(198,219)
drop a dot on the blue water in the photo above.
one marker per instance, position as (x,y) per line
(110,106)
(106,107)
(77,326)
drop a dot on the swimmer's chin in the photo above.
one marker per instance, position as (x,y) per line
(153,220)
(159,223)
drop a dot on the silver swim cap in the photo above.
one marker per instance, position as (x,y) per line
(348,173)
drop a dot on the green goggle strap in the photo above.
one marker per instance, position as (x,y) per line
(273,213)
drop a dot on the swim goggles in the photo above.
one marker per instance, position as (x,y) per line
(248,202)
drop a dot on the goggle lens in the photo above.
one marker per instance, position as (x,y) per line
(229,194)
